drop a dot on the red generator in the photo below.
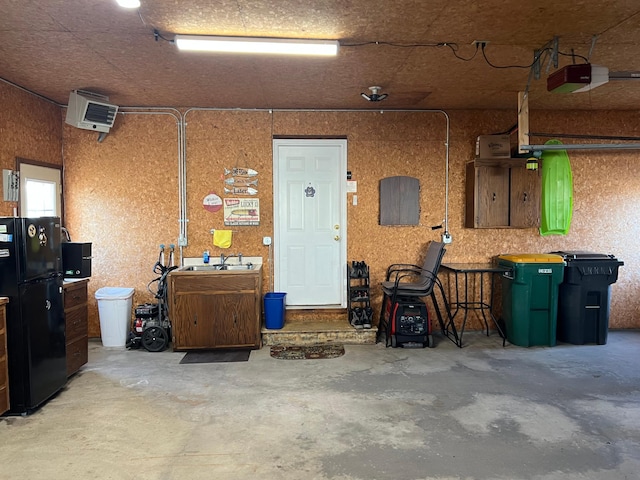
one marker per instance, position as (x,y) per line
(409,325)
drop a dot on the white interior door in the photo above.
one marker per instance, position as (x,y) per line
(310,221)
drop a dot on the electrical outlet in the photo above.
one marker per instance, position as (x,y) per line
(480,43)
(447,238)
(266,240)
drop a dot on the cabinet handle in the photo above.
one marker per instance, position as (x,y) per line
(195,319)
(493,198)
(525,197)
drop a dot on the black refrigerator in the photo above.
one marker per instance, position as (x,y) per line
(31,276)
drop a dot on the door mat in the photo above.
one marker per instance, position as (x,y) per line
(307,352)
(216,356)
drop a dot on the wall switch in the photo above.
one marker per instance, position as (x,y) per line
(355,199)
(266,240)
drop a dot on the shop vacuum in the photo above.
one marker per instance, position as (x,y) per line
(151,327)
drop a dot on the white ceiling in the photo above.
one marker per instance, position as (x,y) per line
(54,46)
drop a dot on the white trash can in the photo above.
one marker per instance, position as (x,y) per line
(114,309)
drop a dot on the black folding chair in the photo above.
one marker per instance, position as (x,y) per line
(412,281)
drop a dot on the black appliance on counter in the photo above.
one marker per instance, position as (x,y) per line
(31,276)
(76,259)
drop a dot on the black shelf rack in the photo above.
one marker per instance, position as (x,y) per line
(358,296)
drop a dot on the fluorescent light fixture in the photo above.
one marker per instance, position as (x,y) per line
(284,46)
(128,3)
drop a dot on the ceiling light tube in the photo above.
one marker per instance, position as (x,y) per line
(128,3)
(284,46)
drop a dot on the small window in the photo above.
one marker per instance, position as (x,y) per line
(40,190)
(41,198)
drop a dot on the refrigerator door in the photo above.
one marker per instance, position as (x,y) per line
(40,247)
(37,357)
(8,256)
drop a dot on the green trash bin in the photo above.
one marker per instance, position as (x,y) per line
(530,297)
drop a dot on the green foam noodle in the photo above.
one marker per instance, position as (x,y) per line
(557,191)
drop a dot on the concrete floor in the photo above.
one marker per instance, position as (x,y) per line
(481,412)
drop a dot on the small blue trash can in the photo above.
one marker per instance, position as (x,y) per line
(274,303)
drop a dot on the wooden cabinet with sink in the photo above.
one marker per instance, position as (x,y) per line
(76,324)
(215,309)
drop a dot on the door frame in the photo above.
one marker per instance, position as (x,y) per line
(342,144)
(43,171)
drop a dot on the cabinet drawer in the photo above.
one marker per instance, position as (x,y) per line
(75,295)
(76,322)
(213,284)
(77,355)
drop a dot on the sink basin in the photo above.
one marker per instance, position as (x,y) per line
(216,267)
(244,266)
(200,268)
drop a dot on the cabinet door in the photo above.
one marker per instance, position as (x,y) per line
(491,197)
(193,321)
(235,320)
(525,198)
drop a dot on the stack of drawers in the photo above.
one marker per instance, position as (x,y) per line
(76,312)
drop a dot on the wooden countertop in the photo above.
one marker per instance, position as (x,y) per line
(3,300)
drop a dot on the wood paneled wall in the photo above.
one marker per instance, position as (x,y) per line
(30,128)
(122,194)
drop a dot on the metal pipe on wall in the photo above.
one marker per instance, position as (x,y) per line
(273,110)
(181,159)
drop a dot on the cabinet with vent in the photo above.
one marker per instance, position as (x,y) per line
(501,194)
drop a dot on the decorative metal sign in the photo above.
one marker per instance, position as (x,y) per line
(310,191)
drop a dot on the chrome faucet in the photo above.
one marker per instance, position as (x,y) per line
(223,259)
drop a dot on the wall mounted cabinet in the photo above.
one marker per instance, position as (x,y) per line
(502,194)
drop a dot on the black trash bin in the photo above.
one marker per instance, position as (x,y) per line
(584,297)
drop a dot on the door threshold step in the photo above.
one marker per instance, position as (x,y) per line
(318,332)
